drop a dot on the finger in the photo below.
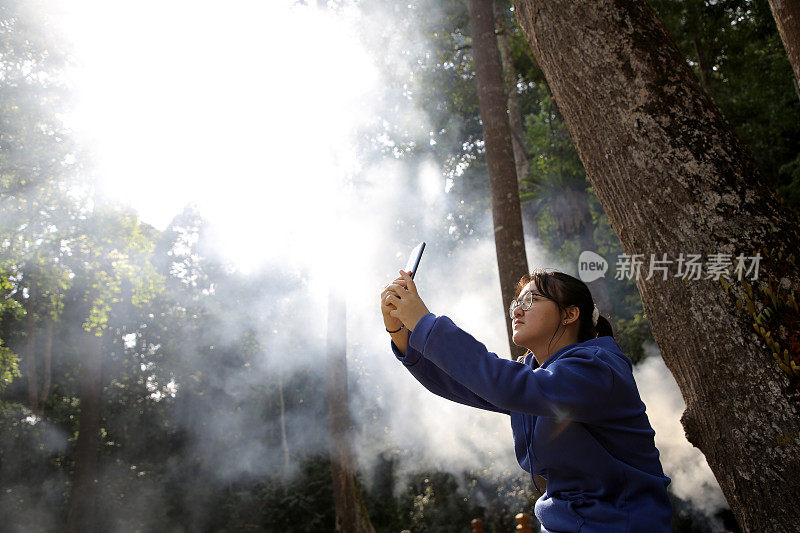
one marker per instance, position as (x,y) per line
(393,288)
(385,303)
(387,290)
(393,300)
(399,290)
(411,286)
(398,281)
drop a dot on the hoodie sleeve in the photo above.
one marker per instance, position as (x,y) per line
(435,380)
(579,385)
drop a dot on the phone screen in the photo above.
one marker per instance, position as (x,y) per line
(413,259)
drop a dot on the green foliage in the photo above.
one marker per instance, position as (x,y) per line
(113,252)
(10,309)
(9,367)
(790,191)
(432,502)
(303,504)
(633,332)
(440,501)
(554,160)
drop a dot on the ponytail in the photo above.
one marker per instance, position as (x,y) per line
(603,327)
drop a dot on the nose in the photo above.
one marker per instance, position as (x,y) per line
(518,311)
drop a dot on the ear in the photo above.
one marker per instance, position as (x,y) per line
(570,314)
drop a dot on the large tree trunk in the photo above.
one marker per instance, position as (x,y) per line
(673,178)
(508,235)
(80,518)
(351,514)
(787,17)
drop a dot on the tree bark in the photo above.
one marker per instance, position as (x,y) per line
(351,513)
(80,518)
(506,214)
(787,17)
(673,178)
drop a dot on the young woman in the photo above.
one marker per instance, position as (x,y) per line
(576,413)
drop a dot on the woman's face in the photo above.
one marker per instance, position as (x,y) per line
(535,327)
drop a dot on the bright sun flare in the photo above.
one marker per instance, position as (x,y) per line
(247,110)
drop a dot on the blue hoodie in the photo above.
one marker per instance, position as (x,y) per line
(578,421)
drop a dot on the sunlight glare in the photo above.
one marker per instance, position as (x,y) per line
(245,108)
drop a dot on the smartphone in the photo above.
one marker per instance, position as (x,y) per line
(413,259)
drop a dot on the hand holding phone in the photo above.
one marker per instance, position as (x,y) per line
(400,302)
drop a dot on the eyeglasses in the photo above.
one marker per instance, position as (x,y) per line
(526,302)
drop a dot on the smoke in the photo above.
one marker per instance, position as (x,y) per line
(692,478)
(433,432)
(29,506)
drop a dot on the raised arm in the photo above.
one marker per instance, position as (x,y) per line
(578,386)
(438,382)
(431,377)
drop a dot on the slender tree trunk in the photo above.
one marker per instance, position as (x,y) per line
(80,518)
(787,17)
(508,235)
(598,287)
(673,178)
(30,348)
(705,67)
(574,218)
(514,114)
(284,441)
(48,363)
(351,513)
(530,212)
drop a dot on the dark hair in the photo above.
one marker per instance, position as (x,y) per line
(567,291)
